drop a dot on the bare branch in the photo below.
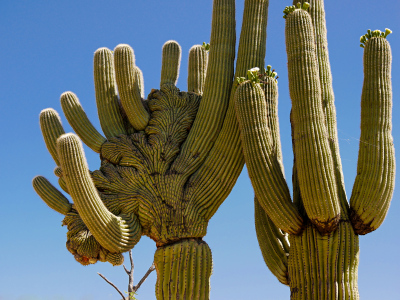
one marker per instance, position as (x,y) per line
(151,269)
(110,283)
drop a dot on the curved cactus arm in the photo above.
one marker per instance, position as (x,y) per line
(214,103)
(273,243)
(79,121)
(214,180)
(317,13)
(108,109)
(115,233)
(374,184)
(52,129)
(129,80)
(313,155)
(51,195)
(171,60)
(263,167)
(197,69)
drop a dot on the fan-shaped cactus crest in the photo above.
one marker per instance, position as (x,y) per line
(167,162)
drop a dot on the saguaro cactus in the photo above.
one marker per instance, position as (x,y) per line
(167,163)
(311,244)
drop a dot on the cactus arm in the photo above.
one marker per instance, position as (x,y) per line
(214,180)
(171,60)
(317,13)
(313,156)
(51,195)
(115,233)
(79,121)
(214,103)
(374,184)
(197,69)
(264,169)
(273,244)
(106,94)
(129,82)
(52,129)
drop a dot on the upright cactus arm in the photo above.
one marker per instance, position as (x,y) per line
(171,60)
(374,184)
(197,69)
(264,168)
(129,81)
(218,83)
(110,117)
(314,161)
(115,233)
(52,129)
(214,180)
(317,13)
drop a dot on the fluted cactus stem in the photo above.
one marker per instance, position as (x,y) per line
(264,169)
(129,81)
(219,171)
(374,184)
(313,155)
(106,94)
(115,233)
(317,12)
(324,266)
(218,85)
(171,60)
(52,129)
(197,69)
(273,243)
(270,87)
(183,270)
(79,121)
(50,195)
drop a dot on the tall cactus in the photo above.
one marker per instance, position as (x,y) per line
(167,163)
(311,244)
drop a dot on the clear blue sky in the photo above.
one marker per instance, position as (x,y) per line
(47,48)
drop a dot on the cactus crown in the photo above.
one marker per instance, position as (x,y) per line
(257,77)
(371,34)
(289,9)
(206,46)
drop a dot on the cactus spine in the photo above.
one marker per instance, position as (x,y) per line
(167,162)
(320,259)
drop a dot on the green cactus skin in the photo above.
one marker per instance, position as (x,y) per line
(273,242)
(314,162)
(322,260)
(197,70)
(374,184)
(129,81)
(167,177)
(79,121)
(50,124)
(110,117)
(171,60)
(51,195)
(188,263)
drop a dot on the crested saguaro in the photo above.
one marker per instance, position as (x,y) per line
(167,162)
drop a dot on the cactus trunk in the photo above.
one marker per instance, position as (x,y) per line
(324,266)
(183,270)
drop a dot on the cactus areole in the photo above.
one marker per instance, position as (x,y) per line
(311,243)
(167,162)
